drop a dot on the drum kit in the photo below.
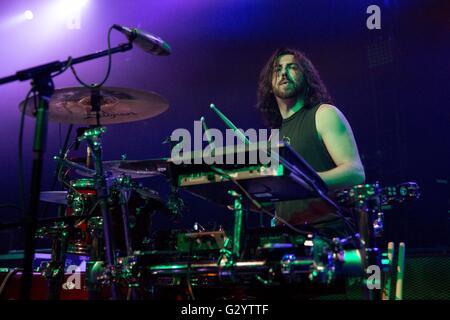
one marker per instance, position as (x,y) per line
(151,266)
(107,214)
(107,218)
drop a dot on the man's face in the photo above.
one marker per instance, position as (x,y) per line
(287,79)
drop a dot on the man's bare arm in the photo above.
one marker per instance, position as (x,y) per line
(337,135)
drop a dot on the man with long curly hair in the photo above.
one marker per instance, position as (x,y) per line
(292,98)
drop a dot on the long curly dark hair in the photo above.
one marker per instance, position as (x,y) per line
(315,92)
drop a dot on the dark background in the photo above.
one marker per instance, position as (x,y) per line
(392,84)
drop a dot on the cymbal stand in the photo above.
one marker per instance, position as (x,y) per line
(124,185)
(92,137)
(370,228)
(53,270)
(238,221)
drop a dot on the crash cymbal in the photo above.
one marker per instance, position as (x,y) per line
(119,105)
(135,169)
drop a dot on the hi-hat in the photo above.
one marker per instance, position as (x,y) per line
(135,169)
(59,197)
(118,105)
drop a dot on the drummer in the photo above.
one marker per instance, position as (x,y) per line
(292,98)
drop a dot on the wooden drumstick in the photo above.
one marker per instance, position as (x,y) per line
(400,271)
(89,163)
(388,280)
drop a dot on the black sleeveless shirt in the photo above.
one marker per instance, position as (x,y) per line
(299,130)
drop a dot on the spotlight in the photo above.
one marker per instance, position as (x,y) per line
(28,15)
(68,11)
(69,6)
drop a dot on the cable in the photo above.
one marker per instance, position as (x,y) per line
(64,69)
(20,150)
(312,184)
(62,152)
(21,129)
(5,281)
(95,86)
(255,202)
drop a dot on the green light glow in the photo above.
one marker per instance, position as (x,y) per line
(94,131)
(83,183)
(280,170)
(169,267)
(352,257)
(301,262)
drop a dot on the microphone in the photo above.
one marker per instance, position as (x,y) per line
(146,41)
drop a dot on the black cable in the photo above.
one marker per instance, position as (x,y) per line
(313,185)
(64,69)
(59,166)
(95,86)
(255,202)
(11,273)
(21,129)
(20,150)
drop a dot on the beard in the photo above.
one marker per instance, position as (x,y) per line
(289,91)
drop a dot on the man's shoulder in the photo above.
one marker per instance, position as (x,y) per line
(328,112)
(328,109)
(327,116)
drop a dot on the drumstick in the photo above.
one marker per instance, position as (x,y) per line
(230,124)
(400,271)
(207,133)
(388,280)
